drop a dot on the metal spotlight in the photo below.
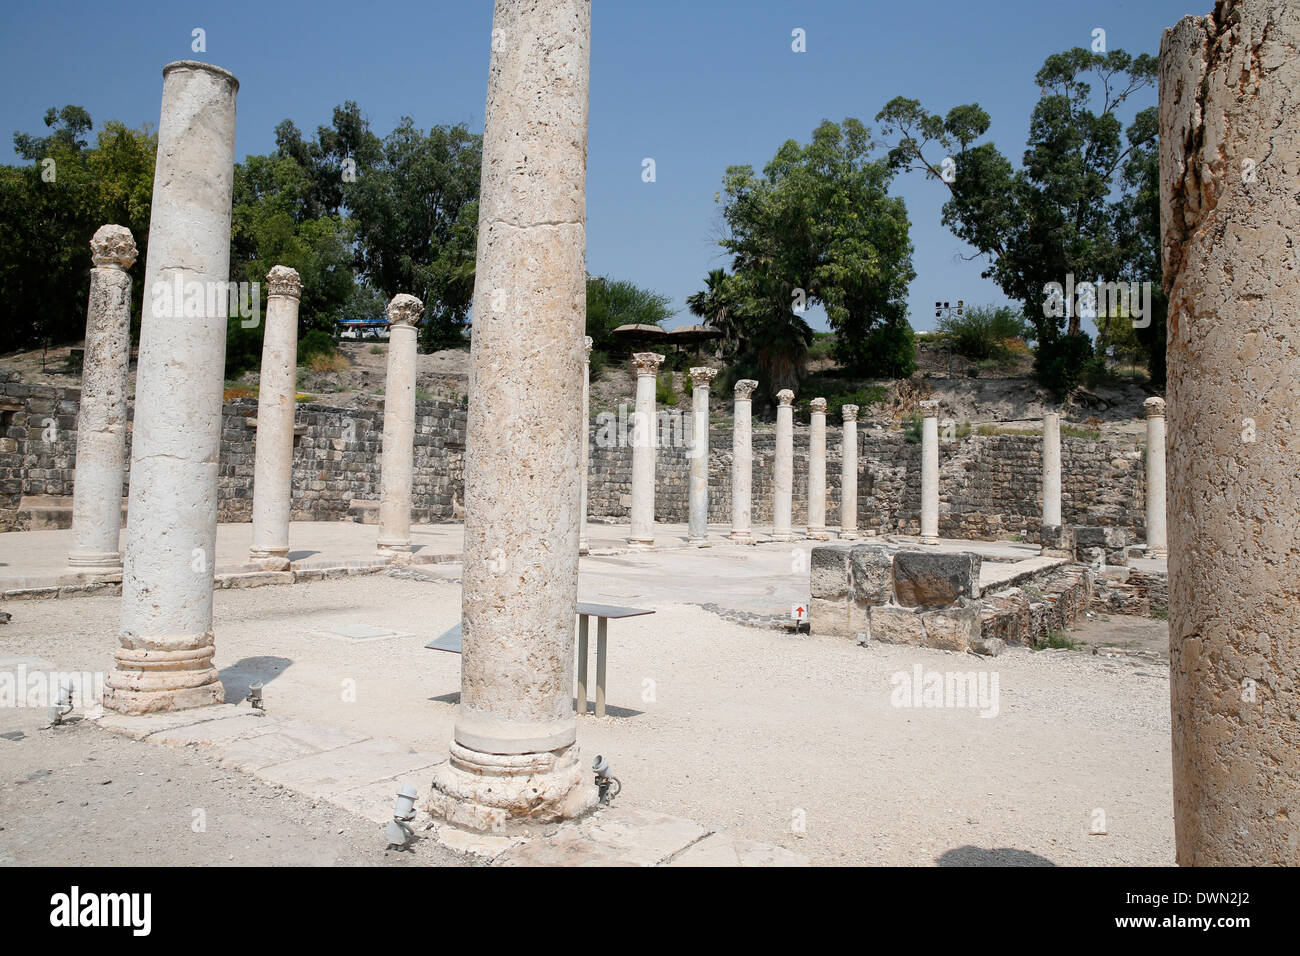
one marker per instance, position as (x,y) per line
(63,706)
(255,695)
(608,785)
(399,832)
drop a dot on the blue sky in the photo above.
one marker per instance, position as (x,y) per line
(696,86)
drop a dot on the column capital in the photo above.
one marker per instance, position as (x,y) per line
(1154,407)
(647,363)
(745,389)
(818,406)
(701,377)
(784,397)
(404,310)
(113,247)
(930,408)
(586,345)
(850,412)
(202,67)
(282,280)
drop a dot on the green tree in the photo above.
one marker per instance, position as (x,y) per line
(716,305)
(1054,215)
(818,226)
(414,208)
(615,302)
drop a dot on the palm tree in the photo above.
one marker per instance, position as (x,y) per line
(716,305)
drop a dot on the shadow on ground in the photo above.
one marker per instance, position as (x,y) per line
(1000,856)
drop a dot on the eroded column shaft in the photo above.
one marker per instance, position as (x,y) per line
(397,460)
(849,474)
(783,468)
(742,461)
(645,444)
(698,516)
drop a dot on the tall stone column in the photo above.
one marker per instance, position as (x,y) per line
(276,401)
(397,458)
(1156,540)
(583,545)
(930,473)
(645,441)
(101,420)
(817,470)
(1051,470)
(167,645)
(514,753)
(742,461)
(698,524)
(849,474)
(1229,139)
(783,468)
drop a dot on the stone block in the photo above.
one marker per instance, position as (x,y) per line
(951,628)
(896,625)
(829,571)
(929,579)
(829,616)
(871,574)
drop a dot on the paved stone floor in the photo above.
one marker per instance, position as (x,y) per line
(776,742)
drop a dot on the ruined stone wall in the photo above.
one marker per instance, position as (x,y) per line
(989,485)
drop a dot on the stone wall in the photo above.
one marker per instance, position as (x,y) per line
(989,485)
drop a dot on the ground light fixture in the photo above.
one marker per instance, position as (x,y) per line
(63,706)
(255,695)
(607,784)
(399,832)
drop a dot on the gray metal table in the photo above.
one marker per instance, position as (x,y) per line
(451,642)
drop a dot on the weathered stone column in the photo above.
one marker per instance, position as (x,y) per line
(397,457)
(1156,543)
(930,473)
(514,754)
(742,461)
(165,661)
(276,401)
(645,442)
(1229,177)
(783,468)
(1051,470)
(849,474)
(817,470)
(698,525)
(583,545)
(101,420)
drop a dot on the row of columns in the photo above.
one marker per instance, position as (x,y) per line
(645,440)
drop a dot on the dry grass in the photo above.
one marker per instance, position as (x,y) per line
(336,362)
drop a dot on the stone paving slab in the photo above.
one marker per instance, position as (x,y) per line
(723,849)
(334,771)
(617,836)
(144,725)
(223,730)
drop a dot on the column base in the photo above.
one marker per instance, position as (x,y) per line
(640,544)
(929,539)
(172,673)
(699,542)
(269,559)
(584,546)
(741,537)
(818,534)
(488,792)
(399,552)
(1158,553)
(783,536)
(849,536)
(95,560)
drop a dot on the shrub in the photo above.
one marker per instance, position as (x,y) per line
(985,332)
(888,351)
(665,394)
(1060,363)
(313,344)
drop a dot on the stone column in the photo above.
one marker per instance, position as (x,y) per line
(930,473)
(101,420)
(1051,470)
(645,441)
(849,474)
(1156,544)
(698,526)
(165,661)
(397,458)
(783,468)
(742,461)
(817,470)
(583,545)
(1229,138)
(514,753)
(276,401)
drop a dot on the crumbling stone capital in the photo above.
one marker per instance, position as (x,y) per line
(850,412)
(647,363)
(818,406)
(405,310)
(701,377)
(1154,407)
(745,389)
(282,280)
(113,247)
(784,397)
